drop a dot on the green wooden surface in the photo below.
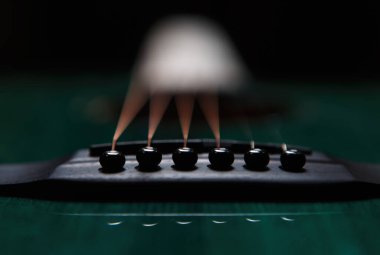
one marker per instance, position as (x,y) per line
(46,116)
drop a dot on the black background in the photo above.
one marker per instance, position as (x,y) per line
(312,39)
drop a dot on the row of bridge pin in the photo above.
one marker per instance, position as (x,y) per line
(220,158)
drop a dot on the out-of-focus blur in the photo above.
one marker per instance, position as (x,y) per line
(187,54)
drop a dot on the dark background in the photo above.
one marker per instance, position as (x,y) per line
(276,38)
